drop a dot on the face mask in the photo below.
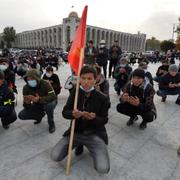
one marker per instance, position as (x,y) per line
(48,75)
(87,91)
(122,65)
(32,83)
(3,67)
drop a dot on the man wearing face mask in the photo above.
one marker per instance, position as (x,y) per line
(53,79)
(7,111)
(143,65)
(121,74)
(38,98)
(102,57)
(91,116)
(9,75)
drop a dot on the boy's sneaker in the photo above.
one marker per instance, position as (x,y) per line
(79,150)
(178,151)
(164,99)
(6,126)
(177,102)
(142,126)
(132,120)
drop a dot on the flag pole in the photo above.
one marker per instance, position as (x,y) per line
(69,157)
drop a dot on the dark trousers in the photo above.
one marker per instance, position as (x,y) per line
(37,112)
(129,110)
(95,145)
(164,93)
(104,70)
(112,64)
(9,118)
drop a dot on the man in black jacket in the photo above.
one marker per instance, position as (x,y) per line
(170,84)
(102,56)
(7,111)
(91,116)
(114,54)
(137,99)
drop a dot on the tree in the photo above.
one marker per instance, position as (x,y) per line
(178,36)
(2,44)
(167,45)
(152,44)
(9,35)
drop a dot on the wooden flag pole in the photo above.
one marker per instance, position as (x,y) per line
(68,165)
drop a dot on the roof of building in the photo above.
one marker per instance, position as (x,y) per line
(73,14)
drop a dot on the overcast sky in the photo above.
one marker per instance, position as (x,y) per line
(152,17)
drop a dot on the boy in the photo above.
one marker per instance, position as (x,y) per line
(91,116)
(137,99)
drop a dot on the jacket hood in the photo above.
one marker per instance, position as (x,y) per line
(34,74)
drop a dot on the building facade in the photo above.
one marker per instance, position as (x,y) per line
(59,36)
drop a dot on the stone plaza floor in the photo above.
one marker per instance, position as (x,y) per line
(134,154)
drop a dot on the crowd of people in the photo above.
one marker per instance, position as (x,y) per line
(135,89)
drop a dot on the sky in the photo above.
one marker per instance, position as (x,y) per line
(152,17)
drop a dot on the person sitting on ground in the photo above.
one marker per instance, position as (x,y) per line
(170,84)
(121,74)
(9,75)
(91,116)
(138,99)
(162,70)
(143,65)
(38,98)
(7,110)
(53,79)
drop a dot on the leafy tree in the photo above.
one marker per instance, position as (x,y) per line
(167,45)
(152,44)
(9,35)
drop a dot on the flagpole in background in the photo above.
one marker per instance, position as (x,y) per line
(75,58)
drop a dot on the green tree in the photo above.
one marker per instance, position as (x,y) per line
(9,35)
(152,44)
(167,45)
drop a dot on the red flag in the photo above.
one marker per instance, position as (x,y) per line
(78,43)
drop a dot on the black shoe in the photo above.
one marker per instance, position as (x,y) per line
(177,102)
(143,126)
(132,120)
(164,99)
(52,129)
(79,150)
(37,121)
(6,126)
(178,151)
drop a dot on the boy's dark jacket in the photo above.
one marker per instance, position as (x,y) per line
(96,103)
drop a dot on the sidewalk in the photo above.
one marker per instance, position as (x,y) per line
(134,154)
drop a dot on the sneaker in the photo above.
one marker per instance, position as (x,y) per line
(177,102)
(142,126)
(178,151)
(52,129)
(79,150)
(37,121)
(132,120)
(6,126)
(164,99)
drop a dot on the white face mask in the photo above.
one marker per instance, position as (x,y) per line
(48,75)
(122,65)
(87,91)
(3,67)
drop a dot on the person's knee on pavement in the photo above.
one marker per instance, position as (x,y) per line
(102,168)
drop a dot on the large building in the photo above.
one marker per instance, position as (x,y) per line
(59,36)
